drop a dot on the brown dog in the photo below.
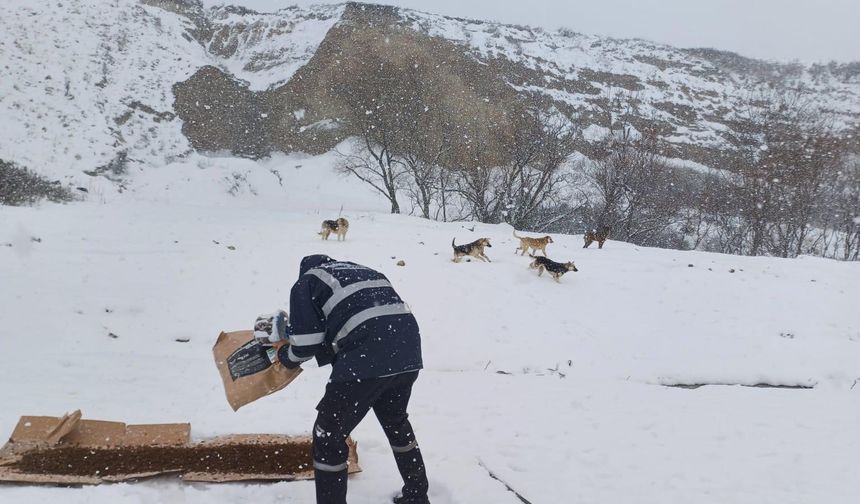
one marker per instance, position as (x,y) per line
(338,227)
(474,249)
(555,269)
(595,236)
(534,243)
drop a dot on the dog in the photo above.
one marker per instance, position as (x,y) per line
(338,227)
(596,236)
(474,249)
(555,269)
(534,243)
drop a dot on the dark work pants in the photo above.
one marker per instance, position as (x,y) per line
(339,412)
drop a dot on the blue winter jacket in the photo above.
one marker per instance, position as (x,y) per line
(349,316)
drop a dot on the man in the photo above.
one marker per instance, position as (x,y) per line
(349,316)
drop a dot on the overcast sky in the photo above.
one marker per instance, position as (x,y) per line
(806,30)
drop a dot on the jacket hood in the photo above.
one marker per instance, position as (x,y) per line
(312,261)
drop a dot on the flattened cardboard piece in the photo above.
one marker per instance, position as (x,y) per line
(44,429)
(158,434)
(96,433)
(33,432)
(118,478)
(255,439)
(200,477)
(66,425)
(246,371)
(70,429)
(9,475)
(37,431)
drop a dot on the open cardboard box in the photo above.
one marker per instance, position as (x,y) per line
(47,435)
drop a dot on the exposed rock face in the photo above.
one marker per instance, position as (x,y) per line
(220,113)
(688,97)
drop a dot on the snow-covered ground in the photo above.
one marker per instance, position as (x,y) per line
(556,388)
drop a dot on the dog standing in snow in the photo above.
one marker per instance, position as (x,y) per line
(594,235)
(338,227)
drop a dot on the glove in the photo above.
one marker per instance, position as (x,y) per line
(284,358)
(271,328)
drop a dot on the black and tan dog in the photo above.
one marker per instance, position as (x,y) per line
(536,244)
(595,236)
(474,249)
(338,227)
(555,269)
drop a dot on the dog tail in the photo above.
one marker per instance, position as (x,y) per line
(515,234)
(452,242)
(533,257)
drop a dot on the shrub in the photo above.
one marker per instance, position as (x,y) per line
(20,186)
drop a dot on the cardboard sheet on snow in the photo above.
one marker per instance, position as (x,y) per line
(262,440)
(58,443)
(34,433)
(248,370)
(71,429)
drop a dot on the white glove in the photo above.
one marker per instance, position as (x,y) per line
(271,328)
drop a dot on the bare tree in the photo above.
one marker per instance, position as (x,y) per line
(428,138)
(639,197)
(788,155)
(473,163)
(515,175)
(377,100)
(533,179)
(409,118)
(375,165)
(843,207)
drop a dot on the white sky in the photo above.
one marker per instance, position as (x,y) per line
(806,30)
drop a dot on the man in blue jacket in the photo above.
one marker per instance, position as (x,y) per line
(349,316)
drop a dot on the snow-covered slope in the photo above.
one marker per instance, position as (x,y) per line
(84,80)
(687,93)
(266,49)
(87,84)
(556,388)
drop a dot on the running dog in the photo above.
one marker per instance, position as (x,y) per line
(534,243)
(595,236)
(338,227)
(474,249)
(555,269)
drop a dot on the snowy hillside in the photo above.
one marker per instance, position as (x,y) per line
(558,389)
(88,84)
(266,49)
(85,80)
(690,95)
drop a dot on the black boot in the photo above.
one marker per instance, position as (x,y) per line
(410,500)
(331,486)
(411,467)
